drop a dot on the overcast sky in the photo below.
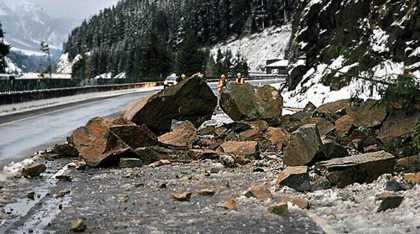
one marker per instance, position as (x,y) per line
(74,8)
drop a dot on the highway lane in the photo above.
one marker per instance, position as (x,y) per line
(30,133)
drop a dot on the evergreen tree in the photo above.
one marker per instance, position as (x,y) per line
(4,51)
(190,57)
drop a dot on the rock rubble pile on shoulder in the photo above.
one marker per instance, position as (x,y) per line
(334,145)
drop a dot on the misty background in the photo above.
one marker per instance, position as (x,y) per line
(74,8)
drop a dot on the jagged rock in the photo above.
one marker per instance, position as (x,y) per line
(78,225)
(203,154)
(295,177)
(369,114)
(334,109)
(260,125)
(277,137)
(229,204)
(363,168)
(241,150)
(182,136)
(280,209)
(297,201)
(237,127)
(395,186)
(310,107)
(260,192)
(412,178)
(97,145)
(303,146)
(324,126)
(149,155)
(397,125)
(130,163)
(34,170)
(182,197)
(331,149)
(65,150)
(251,134)
(389,201)
(191,99)
(344,125)
(245,102)
(134,136)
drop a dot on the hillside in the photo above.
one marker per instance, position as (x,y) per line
(119,39)
(346,43)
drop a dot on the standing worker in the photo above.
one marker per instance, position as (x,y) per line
(239,79)
(220,87)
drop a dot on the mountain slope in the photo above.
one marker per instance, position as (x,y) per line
(26,24)
(117,38)
(350,46)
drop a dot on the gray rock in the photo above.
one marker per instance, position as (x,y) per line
(303,146)
(130,163)
(389,201)
(34,170)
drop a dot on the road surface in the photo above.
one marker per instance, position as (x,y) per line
(34,131)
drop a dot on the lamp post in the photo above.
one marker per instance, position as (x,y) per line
(46,49)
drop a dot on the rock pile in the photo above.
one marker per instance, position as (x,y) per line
(334,145)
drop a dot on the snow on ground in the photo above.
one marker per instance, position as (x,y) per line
(11,67)
(64,64)
(257,48)
(314,91)
(39,104)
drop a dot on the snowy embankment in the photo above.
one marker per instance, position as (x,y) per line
(258,48)
(40,104)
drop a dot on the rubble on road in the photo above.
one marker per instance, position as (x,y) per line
(34,170)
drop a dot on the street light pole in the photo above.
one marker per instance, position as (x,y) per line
(46,49)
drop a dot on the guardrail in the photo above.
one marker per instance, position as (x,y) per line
(32,95)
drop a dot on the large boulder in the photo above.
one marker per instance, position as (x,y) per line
(246,102)
(363,168)
(100,143)
(241,150)
(191,99)
(303,146)
(182,136)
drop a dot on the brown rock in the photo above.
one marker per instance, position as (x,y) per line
(260,125)
(333,108)
(331,149)
(297,201)
(182,136)
(295,177)
(363,168)
(181,196)
(250,134)
(412,178)
(302,146)
(344,125)
(280,209)
(397,125)
(230,204)
(277,137)
(65,150)
(324,126)
(160,163)
(191,99)
(34,170)
(241,150)
(96,144)
(207,192)
(134,136)
(260,192)
(369,114)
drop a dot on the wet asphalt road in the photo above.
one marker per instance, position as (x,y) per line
(32,132)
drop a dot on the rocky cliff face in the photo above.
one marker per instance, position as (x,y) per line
(340,40)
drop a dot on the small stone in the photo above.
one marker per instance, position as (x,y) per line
(229,204)
(31,195)
(228,161)
(207,192)
(389,201)
(163,186)
(130,163)
(64,177)
(395,186)
(280,209)
(260,192)
(160,163)
(412,178)
(78,225)
(295,177)
(34,170)
(65,150)
(182,197)
(302,203)
(62,193)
